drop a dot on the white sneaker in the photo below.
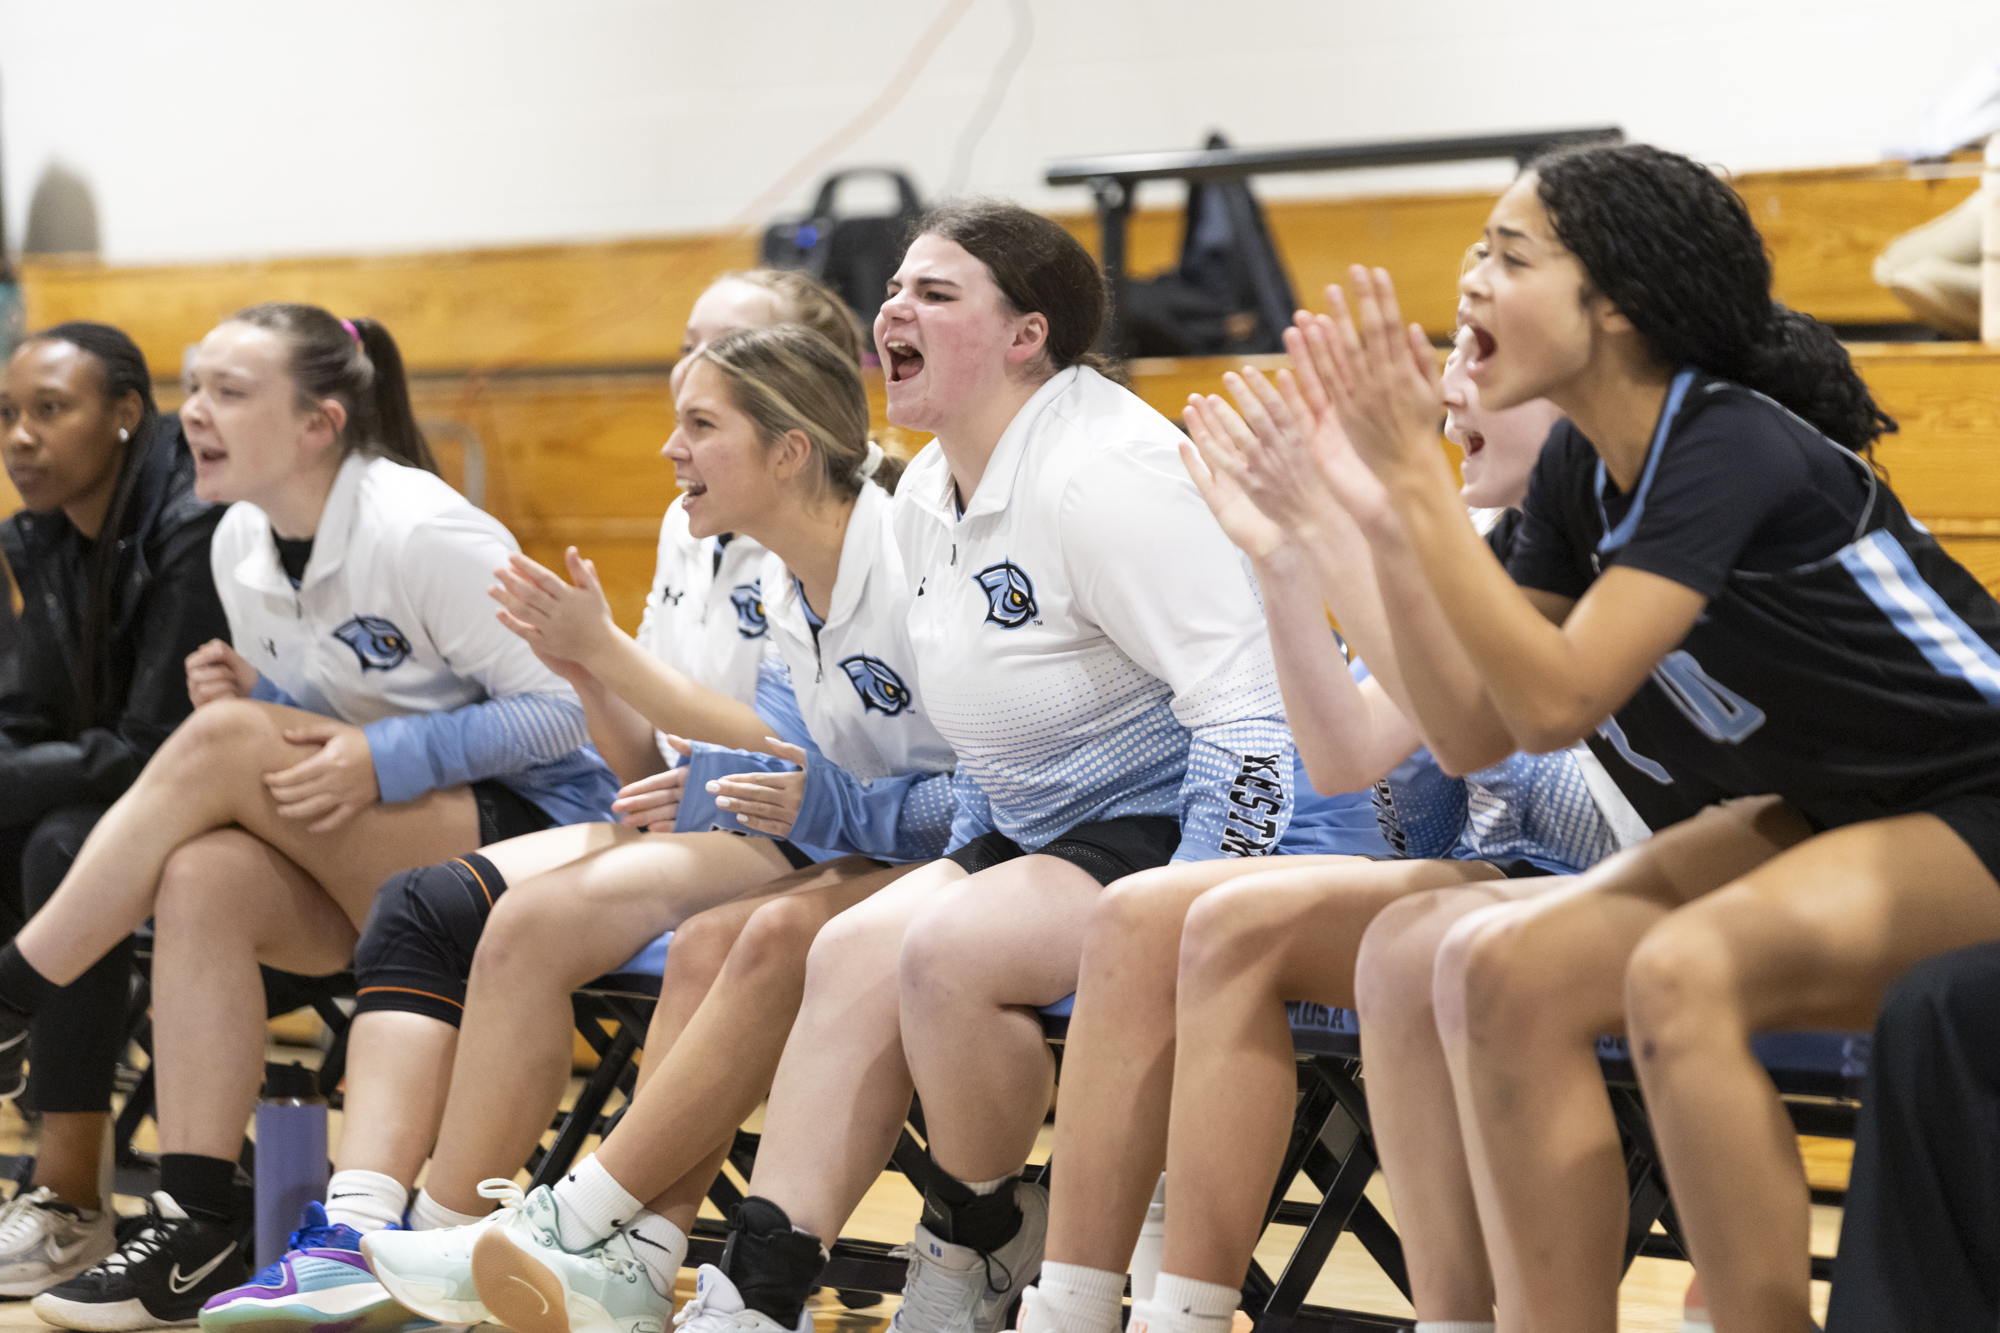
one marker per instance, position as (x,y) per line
(718,1307)
(531,1284)
(430,1272)
(956,1289)
(43,1242)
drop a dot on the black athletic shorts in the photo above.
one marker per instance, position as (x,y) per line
(504,813)
(1975,817)
(798,858)
(1107,850)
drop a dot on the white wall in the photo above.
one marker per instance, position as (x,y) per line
(217,128)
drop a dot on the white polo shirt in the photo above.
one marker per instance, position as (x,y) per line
(705,618)
(390,629)
(1087,640)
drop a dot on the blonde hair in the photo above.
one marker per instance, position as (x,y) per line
(790,377)
(810,302)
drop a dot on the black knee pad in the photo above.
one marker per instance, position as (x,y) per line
(416,951)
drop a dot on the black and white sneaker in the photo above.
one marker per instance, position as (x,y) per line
(159,1277)
(14,1027)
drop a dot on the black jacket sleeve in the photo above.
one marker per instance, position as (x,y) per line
(180,613)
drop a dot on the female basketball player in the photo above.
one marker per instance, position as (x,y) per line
(373,721)
(1092,648)
(705,621)
(110,553)
(1291,931)
(1735,596)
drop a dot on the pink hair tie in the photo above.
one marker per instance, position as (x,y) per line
(351,332)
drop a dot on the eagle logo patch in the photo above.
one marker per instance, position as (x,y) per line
(376,641)
(1010,596)
(748,599)
(879,686)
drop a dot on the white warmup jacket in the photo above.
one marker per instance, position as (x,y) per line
(705,617)
(879,779)
(390,630)
(1087,639)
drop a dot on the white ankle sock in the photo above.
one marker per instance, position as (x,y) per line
(1454,1326)
(593,1205)
(1076,1299)
(987,1186)
(661,1246)
(1694,1319)
(427,1214)
(365,1200)
(1188,1305)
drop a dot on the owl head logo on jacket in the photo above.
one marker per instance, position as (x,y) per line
(376,641)
(748,599)
(1010,597)
(880,687)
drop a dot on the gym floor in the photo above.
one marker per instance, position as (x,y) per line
(1650,1299)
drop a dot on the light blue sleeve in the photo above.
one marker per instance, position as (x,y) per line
(422,752)
(1236,799)
(971,814)
(1421,808)
(267,691)
(905,818)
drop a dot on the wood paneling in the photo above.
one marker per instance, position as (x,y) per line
(614,304)
(622,304)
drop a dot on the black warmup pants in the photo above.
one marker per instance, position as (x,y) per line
(78,1034)
(1920,1240)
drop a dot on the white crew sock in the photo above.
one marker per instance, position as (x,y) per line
(661,1246)
(1454,1326)
(1076,1299)
(365,1200)
(592,1205)
(1186,1305)
(427,1214)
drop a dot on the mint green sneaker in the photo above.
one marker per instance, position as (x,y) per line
(430,1272)
(532,1284)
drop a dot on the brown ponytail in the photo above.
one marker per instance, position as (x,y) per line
(356,363)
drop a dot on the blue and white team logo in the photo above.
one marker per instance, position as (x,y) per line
(748,599)
(376,641)
(879,686)
(1010,597)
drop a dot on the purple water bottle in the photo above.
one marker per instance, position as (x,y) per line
(291,1154)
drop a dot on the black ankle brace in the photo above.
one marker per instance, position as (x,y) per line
(982,1222)
(773,1264)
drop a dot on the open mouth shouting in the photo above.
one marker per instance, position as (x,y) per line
(1481,350)
(1474,442)
(905,361)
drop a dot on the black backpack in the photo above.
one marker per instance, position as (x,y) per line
(1230,294)
(856,256)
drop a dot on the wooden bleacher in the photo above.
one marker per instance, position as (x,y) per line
(556,357)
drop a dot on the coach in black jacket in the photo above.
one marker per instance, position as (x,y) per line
(94,683)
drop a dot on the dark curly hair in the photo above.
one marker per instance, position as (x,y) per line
(1672,246)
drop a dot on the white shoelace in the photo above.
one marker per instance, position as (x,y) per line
(147,1243)
(21,1219)
(931,1301)
(498,1188)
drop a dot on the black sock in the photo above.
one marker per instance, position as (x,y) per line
(205,1187)
(982,1222)
(772,1262)
(22,989)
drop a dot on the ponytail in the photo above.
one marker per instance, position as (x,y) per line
(1673,248)
(356,363)
(122,370)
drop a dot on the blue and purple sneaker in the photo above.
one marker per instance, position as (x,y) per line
(321,1285)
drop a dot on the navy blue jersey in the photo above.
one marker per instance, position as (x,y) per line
(1856,673)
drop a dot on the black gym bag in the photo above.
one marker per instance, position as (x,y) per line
(856,256)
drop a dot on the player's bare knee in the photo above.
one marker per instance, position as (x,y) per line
(1393,967)
(1680,988)
(778,935)
(1228,933)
